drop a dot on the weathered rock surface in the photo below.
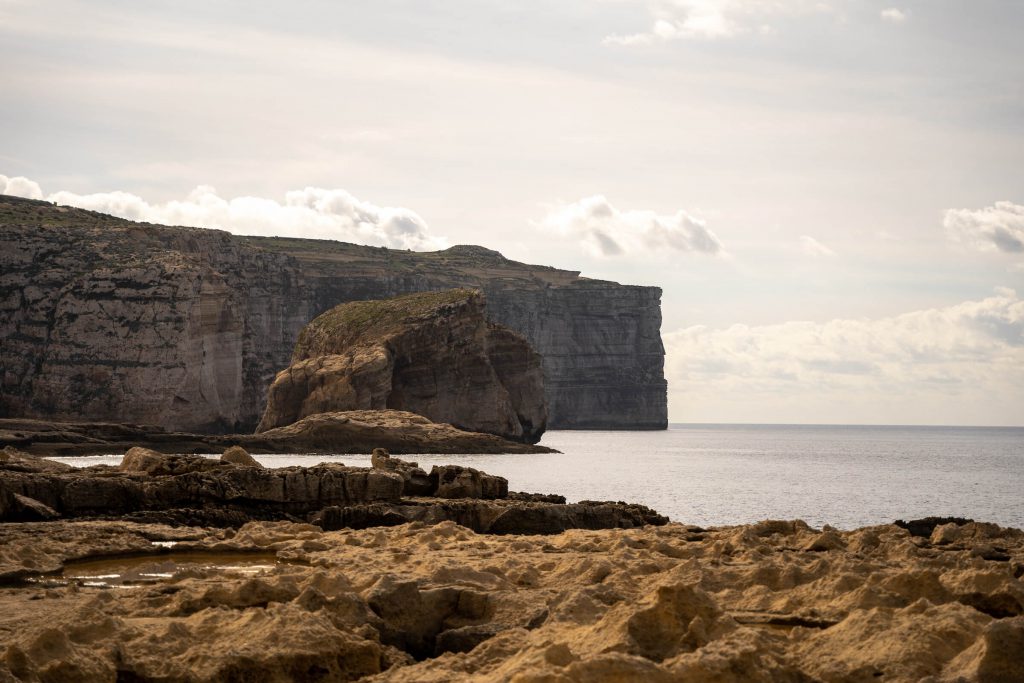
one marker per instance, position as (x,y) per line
(236,455)
(193,490)
(103,319)
(148,481)
(433,604)
(358,431)
(432,353)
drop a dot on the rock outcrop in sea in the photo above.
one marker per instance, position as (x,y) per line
(195,490)
(108,320)
(353,431)
(432,353)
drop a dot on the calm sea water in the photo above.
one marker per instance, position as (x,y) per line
(846,476)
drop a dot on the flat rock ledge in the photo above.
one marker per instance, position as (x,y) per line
(356,431)
(194,490)
(766,602)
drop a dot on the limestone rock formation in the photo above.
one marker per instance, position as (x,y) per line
(432,353)
(103,319)
(357,431)
(432,604)
(195,490)
(236,455)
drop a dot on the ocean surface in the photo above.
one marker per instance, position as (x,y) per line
(712,475)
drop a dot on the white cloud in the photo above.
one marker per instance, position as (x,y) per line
(311,212)
(959,364)
(813,247)
(20,186)
(999,227)
(711,19)
(607,231)
(894,15)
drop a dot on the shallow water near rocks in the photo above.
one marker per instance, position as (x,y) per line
(125,572)
(846,476)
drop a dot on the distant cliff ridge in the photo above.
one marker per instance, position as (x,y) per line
(106,319)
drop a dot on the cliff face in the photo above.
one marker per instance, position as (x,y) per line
(431,353)
(107,319)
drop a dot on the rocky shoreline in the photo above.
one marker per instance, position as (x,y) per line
(774,601)
(356,431)
(184,568)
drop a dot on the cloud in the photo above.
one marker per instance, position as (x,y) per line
(20,186)
(956,362)
(311,212)
(999,227)
(813,247)
(712,19)
(609,232)
(894,15)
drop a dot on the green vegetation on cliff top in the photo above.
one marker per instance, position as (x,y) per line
(347,324)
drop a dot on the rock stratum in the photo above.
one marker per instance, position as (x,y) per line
(773,602)
(432,353)
(108,320)
(354,431)
(196,490)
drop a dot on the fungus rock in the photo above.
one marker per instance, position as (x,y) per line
(433,354)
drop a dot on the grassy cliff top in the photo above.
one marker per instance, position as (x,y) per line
(352,323)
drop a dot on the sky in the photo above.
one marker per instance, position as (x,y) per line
(830,193)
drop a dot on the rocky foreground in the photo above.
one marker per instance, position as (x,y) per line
(774,601)
(155,570)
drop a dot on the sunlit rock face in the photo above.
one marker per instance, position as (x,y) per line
(107,319)
(434,601)
(431,353)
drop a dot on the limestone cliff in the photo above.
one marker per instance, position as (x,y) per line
(430,353)
(108,319)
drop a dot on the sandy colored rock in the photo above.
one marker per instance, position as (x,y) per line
(358,431)
(236,455)
(416,482)
(143,460)
(456,481)
(433,604)
(396,430)
(432,353)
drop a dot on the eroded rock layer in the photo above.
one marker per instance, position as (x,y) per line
(103,319)
(355,431)
(194,490)
(769,602)
(431,353)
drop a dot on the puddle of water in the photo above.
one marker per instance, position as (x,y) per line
(126,572)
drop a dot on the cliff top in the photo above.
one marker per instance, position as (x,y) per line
(356,322)
(119,238)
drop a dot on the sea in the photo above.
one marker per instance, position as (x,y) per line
(718,475)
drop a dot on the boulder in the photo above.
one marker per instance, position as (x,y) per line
(433,354)
(415,480)
(236,455)
(143,460)
(455,481)
(146,461)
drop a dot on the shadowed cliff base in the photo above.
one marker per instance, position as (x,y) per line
(104,319)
